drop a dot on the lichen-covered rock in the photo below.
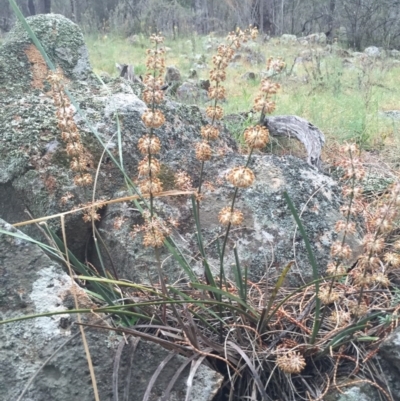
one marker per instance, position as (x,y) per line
(363,393)
(34,167)
(31,283)
(268,239)
(373,52)
(21,63)
(390,349)
(35,173)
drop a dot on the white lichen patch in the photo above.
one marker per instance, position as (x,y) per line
(47,295)
(322,183)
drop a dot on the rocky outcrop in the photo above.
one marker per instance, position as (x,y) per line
(32,283)
(34,177)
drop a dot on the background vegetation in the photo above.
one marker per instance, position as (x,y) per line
(346,97)
(357,23)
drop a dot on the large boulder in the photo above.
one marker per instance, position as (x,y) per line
(35,173)
(34,178)
(373,52)
(32,283)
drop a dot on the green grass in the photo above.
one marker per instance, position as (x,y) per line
(343,101)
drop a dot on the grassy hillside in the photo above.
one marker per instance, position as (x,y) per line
(345,95)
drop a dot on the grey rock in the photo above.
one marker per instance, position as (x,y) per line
(127,71)
(204,84)
(393,114)
(33,178)
(314,38)
(32,283)
(236,57)
(172,75)
(62,40)
(25,179)
(193,74)
(394,53)
(373,52)
(363,393)
(390,349)
(270,228)
(190,93)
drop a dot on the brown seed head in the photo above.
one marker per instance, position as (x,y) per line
(241,177)
(147,167)
(216,92)
(183,181)
(209,132)
(276,64)
(226,216)
(253,32)
(153,83)
(154,238)
(339,250)
(151,96)
(392,258)
(153,120)
(334,269)
(156,38)
(372,244)
(340,318)
(217,75)
(328,297)
(220,62)
(203,151)
(268,86)
(291,362)
(155,63)
(214,112)
(153,186)
(149,145)
(342,226)
(358,310)
(83,180)
(74,149)
(72,136)
(256,137)
(381,279)
(264,105)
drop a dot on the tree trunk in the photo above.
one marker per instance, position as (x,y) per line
(31,7)
(296,127)
(73,15)
(332,7)
(47,6)
(43,7)
(201,16)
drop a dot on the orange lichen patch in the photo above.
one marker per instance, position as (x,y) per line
(38,66)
